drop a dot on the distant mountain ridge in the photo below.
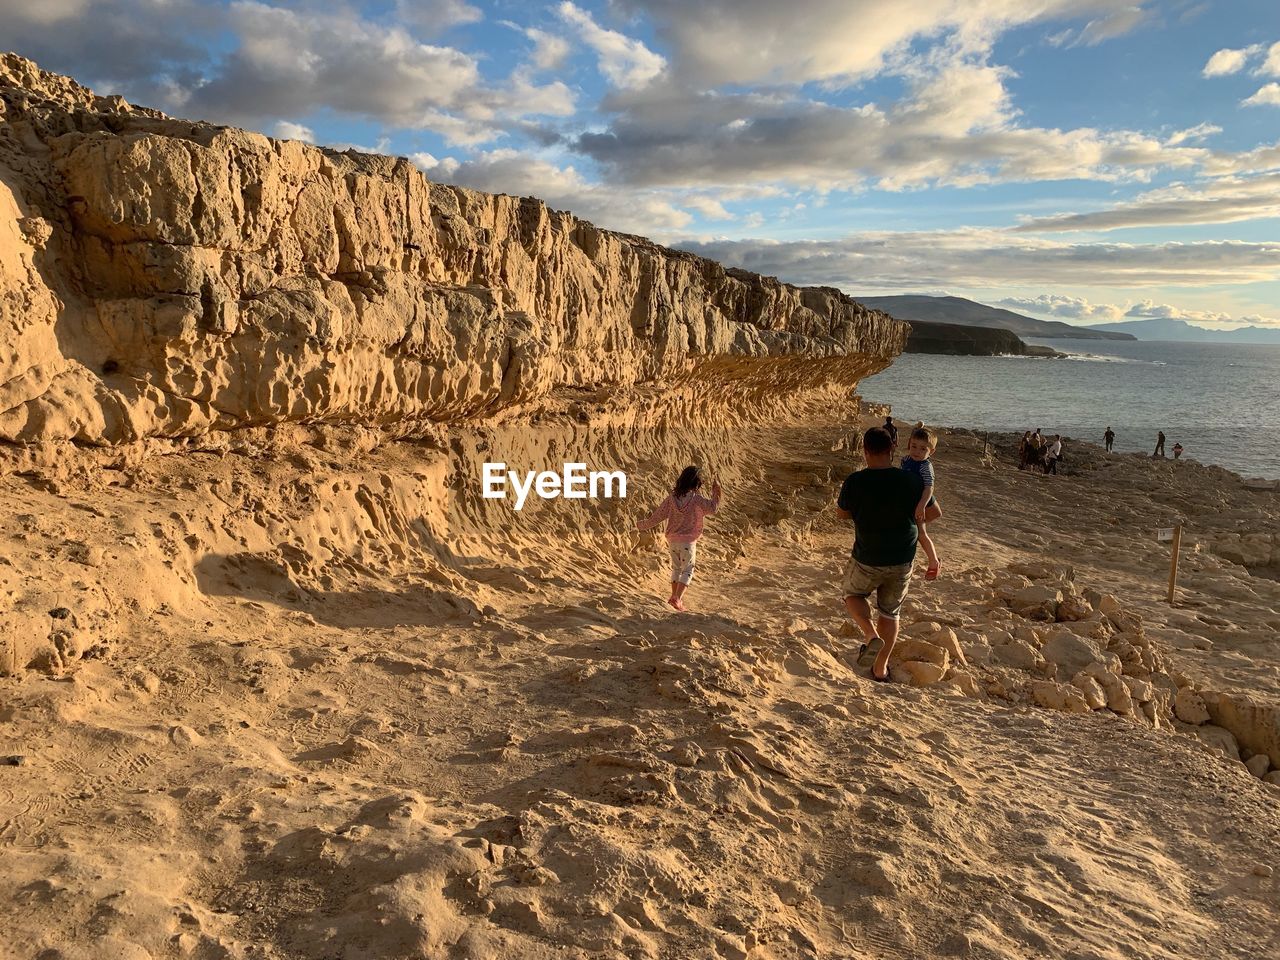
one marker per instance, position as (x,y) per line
(1160,328)
(970,313)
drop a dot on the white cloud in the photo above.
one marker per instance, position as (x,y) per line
(624,61)
(1149,309)
(709,207)
(1229,61)
(1078,308)
(1271,65)
(1071,308)
(1225,200)
(955,126)
(550,50)
(436,16)
(990,259)
(562,188)
(1199,132)
(1115,24)
(287,130)
(1258,160)
(281,62)
(717,42)
(1268,95)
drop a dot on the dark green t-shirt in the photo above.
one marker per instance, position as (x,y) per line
(883,504)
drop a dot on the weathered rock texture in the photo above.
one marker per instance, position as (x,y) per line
(166,278)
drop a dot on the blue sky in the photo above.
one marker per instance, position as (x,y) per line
(1086,160)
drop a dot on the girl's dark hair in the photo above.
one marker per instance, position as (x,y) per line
(690,480)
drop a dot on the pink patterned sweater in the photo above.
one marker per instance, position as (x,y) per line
(684,516)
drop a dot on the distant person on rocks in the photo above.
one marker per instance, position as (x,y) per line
(919,461)
(1177,451)
(1110,438)
(1159,451)
(1024,450)
(1036,457)
(891,430)
(683,510)
(1053,455)
(881,500)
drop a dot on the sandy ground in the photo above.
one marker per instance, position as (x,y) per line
(358,742)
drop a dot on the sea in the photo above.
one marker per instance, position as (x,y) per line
(1220,401)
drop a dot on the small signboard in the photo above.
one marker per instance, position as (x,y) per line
(1164,533)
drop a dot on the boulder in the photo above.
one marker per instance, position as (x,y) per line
(1094,695)
(1125,622)
(1273,777)
(1119,699)
(965,682)
(916,673)
(1070,652)
(1074,608)
(950,642)
(974,647)
(1141,690)
(1018,654)
(1058,696)
(1219,740)
(1259,765)
(1188,706)
(1037,602)
(920,650)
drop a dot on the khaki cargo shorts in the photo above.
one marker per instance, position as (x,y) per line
(889,584)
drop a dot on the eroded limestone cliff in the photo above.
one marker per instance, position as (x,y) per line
(167,278)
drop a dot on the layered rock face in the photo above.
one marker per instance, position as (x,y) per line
(166,278)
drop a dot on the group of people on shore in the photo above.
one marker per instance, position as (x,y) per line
(1037,450)
(1109,439)
(891,507)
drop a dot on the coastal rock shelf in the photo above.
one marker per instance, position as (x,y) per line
(166,278)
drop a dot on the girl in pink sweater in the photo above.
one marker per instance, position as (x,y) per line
(684,510)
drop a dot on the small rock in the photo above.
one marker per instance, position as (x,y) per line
(1220,740)
(1141,690)
(965,682)
(1258,765)
(917,673)
(148,681)
(1262,870)
(1058,696)
(920,650)
(1017,653)
(1074,608)
(1109,605)
(1037,602)
(1189,707)
(1094,695)
(791,892)
(184,736)
(1069,651)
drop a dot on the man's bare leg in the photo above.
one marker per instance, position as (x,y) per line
(889,636)
(860,610)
